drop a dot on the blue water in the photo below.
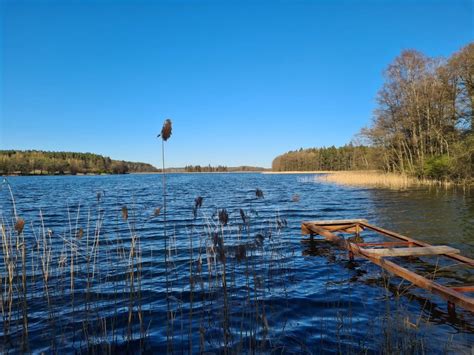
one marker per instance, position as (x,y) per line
(282,295)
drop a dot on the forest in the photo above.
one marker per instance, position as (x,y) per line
(35,162)
(348,157)
(423,124)
(219,169)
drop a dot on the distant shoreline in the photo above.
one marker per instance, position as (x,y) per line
(187,172)
(81,174)
(201,172)
(143,173)
(294,172)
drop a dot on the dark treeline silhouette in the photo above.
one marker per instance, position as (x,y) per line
(204,169)
(219,168)
(41,162)
(423,124)
(348,157)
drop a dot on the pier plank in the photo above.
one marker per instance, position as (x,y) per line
(415,251)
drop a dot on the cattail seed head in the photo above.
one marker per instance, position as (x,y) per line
(259,240)
(243,216)
(198,201)
(166,130)
(124,213)
(223,217)
(19,225)
(197,205)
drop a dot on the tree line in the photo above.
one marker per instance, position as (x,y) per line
(348,157)
(219,168)
(204,169)
(423,124)
(41,162)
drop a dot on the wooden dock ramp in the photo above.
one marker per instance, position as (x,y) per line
(400,246)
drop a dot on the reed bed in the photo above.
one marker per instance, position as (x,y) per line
(90,285)
(378,179)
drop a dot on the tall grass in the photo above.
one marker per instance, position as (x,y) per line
(378,179)
(85,288)
(165,134)
(60,280)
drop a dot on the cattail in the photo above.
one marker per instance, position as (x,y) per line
(259,193)
(259,240)
(243,216)
(241,252)
(166,130)
(198,202)
(223,217)
(19,225)
(197,205)
(100,194)
(218,242)
(124,213)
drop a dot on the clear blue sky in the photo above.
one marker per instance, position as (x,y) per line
(243,81)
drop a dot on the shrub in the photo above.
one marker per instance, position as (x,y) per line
(438,167)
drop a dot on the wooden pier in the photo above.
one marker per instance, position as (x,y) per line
(400,246)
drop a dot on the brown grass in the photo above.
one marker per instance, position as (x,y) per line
(378,179)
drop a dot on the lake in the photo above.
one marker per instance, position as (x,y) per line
(96,275)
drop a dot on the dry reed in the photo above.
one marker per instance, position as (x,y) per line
(377,179)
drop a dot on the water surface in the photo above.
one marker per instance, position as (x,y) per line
(303,297)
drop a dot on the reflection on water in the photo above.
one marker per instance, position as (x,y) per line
(309,297)
(435,216)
